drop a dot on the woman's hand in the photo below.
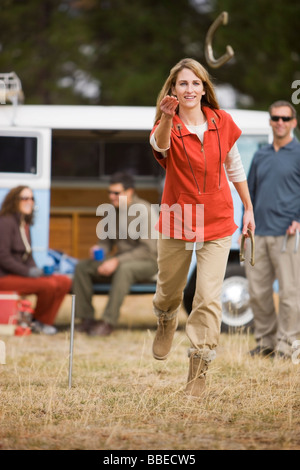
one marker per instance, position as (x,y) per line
(248,222)
(168,106)
(34,271)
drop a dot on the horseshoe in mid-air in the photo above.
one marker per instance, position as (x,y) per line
(209,54)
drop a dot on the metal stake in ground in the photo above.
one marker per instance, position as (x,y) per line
(2,353)
(71,341)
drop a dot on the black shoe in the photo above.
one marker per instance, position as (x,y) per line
(85,325)
(101,329)
(262,351)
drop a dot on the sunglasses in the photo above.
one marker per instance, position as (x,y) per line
(115,193)
(26,198)
(284,118)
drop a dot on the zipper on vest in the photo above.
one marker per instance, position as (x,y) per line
(191,168)
(220,152)
(205,169)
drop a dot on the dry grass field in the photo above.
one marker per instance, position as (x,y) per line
(122,399)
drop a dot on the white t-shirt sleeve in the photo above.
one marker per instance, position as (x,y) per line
(156,147)
(234,167)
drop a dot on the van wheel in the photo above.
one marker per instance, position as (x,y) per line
(236,312)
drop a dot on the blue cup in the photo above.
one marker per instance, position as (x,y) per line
(48,270)
(99,254)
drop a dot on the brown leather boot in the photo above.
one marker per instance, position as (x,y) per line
(101,329)
(164,337)
(199,360)
(85,325)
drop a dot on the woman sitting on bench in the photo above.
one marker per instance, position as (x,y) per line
(18,270)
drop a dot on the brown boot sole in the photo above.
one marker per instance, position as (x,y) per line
(160,358)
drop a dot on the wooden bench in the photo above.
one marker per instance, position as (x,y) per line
(138,288)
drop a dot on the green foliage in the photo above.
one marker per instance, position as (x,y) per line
(38,40)
(265,37)
(128,48)
(138,42)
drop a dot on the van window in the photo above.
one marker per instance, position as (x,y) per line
(136,157)
(79,159)
(18,154)
(248,145)
(76,159)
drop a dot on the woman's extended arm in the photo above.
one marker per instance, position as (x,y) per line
(168,107)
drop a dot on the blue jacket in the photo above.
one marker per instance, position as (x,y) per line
(274,185)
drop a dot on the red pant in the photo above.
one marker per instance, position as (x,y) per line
(50,292)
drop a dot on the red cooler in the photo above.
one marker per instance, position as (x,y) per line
(9,307)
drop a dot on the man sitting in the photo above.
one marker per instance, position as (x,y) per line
(129,258)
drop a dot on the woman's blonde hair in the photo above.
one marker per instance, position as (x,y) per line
(209,99)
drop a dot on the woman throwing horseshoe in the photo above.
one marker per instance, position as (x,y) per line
(195,141)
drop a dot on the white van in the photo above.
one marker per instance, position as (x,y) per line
(66,154)
(25,156)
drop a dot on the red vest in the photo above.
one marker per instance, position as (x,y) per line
(195,177)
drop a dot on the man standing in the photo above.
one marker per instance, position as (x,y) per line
(130,257)
(274,184)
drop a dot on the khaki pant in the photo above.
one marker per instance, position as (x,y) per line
(127,273)
(204,322)
(271,330)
